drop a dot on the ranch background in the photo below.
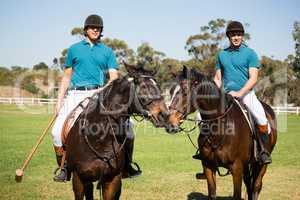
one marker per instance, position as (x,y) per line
(31,65)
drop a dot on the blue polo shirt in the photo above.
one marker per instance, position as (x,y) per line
(235,64)
(90,63)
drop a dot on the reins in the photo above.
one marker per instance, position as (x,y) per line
(144,114)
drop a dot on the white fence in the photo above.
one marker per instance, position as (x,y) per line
(284,109)
(28,101)
(41,101)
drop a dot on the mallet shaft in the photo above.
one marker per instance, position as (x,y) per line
(38,142)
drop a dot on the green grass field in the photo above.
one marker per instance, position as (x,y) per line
(168,169)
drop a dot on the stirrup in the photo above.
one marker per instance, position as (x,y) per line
(137,172)
(265,157)
(137,166)
(57,177)
(130,172)
(197,156)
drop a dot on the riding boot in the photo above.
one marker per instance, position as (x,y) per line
(60,173)
(263,137)
(130,171)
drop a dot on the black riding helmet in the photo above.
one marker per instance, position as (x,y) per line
(93,20)
(234,26)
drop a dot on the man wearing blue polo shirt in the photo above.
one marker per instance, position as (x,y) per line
(86,66)
(237,68)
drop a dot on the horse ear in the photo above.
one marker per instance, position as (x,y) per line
(130,68)
(184,71)
(173,74)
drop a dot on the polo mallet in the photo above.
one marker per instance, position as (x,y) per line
(20,172)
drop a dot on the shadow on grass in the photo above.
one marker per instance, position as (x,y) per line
(200,196)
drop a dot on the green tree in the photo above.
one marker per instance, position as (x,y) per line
(121,49)
(148,57)
(40,66)
(145,51)
(296,36)
(6,77)
(167,69)
(276,77)
(205,45)
(78,31)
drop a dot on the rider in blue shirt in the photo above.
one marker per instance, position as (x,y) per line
(237,68)
(237,71)
(86,66)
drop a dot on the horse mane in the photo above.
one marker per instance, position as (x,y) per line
(103,96)
(207,84)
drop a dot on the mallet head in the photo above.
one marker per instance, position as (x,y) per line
(19,175)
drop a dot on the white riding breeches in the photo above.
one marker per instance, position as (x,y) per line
(255,107)
(74,97)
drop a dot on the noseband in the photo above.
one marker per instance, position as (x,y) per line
(184,115)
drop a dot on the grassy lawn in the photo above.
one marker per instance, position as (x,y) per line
(168,169)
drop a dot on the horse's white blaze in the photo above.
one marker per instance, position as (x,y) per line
(176,90)
(153,81)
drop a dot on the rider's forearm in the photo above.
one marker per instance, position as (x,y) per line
(218,78)
(248,86)
(113,75)
(253,76)
(65,82)
(218,82)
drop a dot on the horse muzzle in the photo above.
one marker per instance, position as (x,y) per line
(172,129)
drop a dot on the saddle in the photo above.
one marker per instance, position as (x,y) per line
(253,125)
(72,117)
(250,121)
(248,116)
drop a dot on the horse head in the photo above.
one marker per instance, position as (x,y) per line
(148,100)
(187,96)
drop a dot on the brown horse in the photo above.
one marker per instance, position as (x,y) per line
(226,139)
(96,143)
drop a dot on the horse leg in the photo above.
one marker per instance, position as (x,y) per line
(78,187)
(211,181)
(89,191)
(258,181)
(247,181)
(237,174)
(111,189)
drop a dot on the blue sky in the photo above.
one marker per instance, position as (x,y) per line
(34,31)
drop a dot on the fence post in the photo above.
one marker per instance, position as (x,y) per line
(297,110)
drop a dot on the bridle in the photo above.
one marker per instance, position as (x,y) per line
(184,116)
(142,112)
(142,103)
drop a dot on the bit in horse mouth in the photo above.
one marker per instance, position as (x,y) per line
(157,121)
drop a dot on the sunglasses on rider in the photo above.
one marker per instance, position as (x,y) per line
(232,34)
(94,28)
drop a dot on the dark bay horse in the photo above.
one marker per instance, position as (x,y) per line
(95,144)
(225,138)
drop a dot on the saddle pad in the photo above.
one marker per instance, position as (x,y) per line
(247,115)
(72,117)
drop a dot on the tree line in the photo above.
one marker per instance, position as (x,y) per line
(202,48)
